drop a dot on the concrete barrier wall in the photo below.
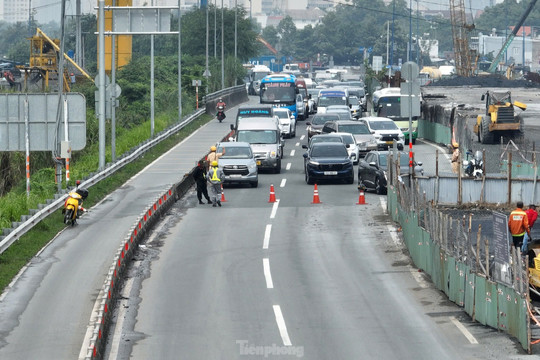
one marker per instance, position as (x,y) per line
(435,124)
(231,96)
(488,303)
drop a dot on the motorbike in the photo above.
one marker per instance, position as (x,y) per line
(73,205)
(474,166)
(220,113)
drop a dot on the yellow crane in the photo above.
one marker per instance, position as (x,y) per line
(43,61)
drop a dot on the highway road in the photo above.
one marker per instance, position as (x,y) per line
(254,279)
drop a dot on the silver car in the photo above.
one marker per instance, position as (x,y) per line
(238,163)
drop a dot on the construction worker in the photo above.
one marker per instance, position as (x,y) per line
(455,157)
(213,155)
(532,215)
(214,176)
(199,174)
(518,224)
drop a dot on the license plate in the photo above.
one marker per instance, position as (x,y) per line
(330,173)
(236,175)
(389,142)
(258,162)
(362,149)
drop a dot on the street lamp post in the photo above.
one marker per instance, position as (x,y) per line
(222,49)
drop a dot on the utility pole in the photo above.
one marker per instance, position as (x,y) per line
(222,49)
(215,28)
(78,34)
(179,61)
(101,77)
(235,34)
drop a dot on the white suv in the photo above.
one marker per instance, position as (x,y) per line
(287,121)
(385,132)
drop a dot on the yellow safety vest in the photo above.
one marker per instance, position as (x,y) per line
(214,175)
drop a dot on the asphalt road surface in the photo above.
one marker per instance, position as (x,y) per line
(254,279)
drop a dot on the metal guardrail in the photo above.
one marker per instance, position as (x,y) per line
(23,228)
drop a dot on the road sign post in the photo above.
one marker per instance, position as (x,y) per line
(196,83)
(410,72)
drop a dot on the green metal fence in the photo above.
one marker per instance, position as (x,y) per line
(496,305)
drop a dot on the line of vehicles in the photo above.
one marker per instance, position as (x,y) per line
(340,135)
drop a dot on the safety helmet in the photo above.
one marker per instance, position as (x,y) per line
(220,99)
(213,148)
(455,144)
(83,192)
(214,163)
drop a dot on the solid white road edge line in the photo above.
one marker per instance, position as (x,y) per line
(266,240)
(281,326)
(383,204)
(422,283)
(443,151)
(283,181)
(122,310)
(267,274)
(274,209)
(97,304)
(464,330)
(292,152)
(288,166)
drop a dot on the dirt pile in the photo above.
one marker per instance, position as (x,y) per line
(486,81)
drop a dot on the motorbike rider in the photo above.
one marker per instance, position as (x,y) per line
(222,104)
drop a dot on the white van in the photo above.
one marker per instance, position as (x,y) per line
(264,136)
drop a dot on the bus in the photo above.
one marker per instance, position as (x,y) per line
(387,103)
(280,90)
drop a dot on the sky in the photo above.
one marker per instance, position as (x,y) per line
(49,10)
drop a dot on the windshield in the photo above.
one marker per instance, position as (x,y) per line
(333,100)
(319,139)
(320,120)
(237,152)
(383,125)
(356,129)
(278,93)
(389,106)
(259,75)
(257,136)
(281,114)
(329,151)
(403,160)
(347,139)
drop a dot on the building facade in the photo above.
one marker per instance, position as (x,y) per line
(14,10)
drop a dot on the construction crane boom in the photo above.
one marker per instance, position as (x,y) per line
(39,32)
(511,37)
(260,39)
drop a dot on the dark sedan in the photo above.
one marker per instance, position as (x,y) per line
(317,122)
(373,169)
(328,161)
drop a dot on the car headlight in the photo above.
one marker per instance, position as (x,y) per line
(362,144)
(401,137)
(311,162)
(273,154)
(252,166)
(373,141)
(377,136)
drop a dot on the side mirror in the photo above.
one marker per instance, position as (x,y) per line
(373,132)
(308,123)
(373,164)
(304,147)
(419,163)
(305,155)
(309,96)
(483,97)
(232,127)
(348,146)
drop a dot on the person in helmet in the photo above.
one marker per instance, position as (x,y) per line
(221,106)
(214,155)
(199,174)
(455,157)
(215,176)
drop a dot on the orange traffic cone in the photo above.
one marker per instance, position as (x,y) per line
(222,194)
(361,198)
(272,194)
(316,196)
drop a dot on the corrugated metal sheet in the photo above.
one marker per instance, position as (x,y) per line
(444,190)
